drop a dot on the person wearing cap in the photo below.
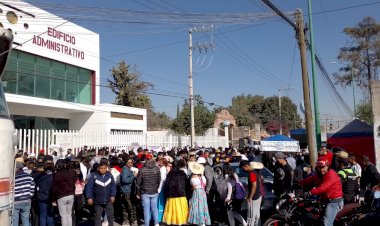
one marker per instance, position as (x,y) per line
(254,190)
(338,156)
(349,180)
(370,177)
(307,172)
(198,208)
(23,192)
(329,189)
(283,176)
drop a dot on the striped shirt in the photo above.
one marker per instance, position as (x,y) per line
(24,187)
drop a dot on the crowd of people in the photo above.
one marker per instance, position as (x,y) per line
(189,186)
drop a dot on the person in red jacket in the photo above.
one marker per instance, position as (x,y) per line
(326,154)
(329,189)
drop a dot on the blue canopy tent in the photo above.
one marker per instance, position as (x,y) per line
(299,134)
(280,143)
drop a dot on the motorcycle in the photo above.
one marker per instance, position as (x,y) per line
(297,211)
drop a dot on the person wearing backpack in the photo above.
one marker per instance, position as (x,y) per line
(254,191)
(235,196)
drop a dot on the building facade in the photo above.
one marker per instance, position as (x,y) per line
(52,77)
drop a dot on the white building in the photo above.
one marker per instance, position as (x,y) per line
(52,76)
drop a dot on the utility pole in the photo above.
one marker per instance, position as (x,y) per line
(300,34)
(191,88)
(306,89)
(279,104)
(191,91)
(315,88)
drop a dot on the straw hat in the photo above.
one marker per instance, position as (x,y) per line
(196,168)
(256,165)
(342,154)
(20,159)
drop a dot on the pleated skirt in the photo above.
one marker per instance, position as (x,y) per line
(176,211)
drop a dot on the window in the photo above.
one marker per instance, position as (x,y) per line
(85,86)
(25,71)
(42,78)
(9,79)
(32,75)
(58,81)
(32,122)
(72,84)
(3,104)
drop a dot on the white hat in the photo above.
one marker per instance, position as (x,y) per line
(196,168)
(256,165)
(169,158)
(201,160)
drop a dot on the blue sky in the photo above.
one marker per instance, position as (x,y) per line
(252,58)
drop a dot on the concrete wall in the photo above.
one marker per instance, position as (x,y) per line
(376,122)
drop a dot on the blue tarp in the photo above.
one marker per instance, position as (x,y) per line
(297,131)
(279,138)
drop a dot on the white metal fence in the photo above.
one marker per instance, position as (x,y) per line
(33,140)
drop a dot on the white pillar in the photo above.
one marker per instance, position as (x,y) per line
(226,135)
(226,124)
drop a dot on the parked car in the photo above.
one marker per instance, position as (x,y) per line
(269,197)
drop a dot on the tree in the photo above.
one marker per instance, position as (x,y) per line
(243,109)
(203,118)
(249,109)
(129,89)
(361,56)
(364,112)
(158,120)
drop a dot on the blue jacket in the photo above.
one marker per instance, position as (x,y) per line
(126,180)
(100,188)
(44,182)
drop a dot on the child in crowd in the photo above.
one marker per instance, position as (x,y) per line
(101,192)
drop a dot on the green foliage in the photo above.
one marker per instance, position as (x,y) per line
(248,110)
(244,108)
(364,112)
(203,118)
(361,56)
(129,89)
(158,120)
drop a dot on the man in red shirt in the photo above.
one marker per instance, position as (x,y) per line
(329,188)
(254,190)
(326,154)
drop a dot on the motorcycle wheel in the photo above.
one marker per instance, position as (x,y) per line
(275,222)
